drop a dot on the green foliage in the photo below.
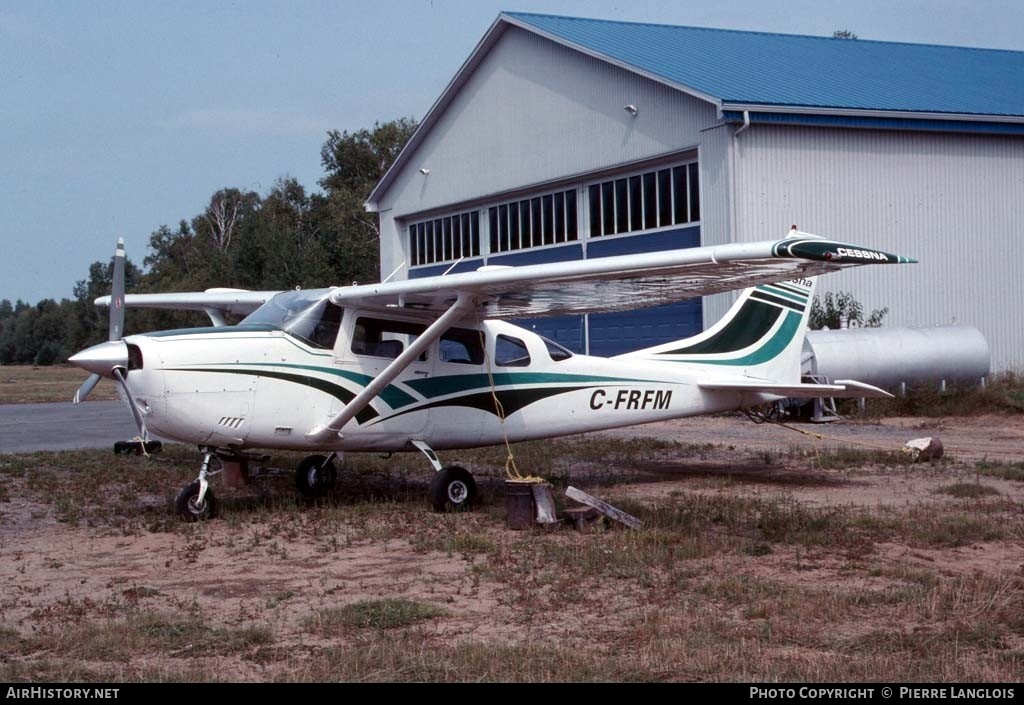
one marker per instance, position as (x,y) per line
(828,311)
(281,240)
(1002,394)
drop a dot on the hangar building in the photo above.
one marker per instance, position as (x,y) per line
(563,138)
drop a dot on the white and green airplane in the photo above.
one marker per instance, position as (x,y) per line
(431,364)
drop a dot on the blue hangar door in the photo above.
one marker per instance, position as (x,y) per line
(616,333)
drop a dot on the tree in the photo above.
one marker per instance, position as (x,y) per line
(842,305)
(355,162)
(844,34)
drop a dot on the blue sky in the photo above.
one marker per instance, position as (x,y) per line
(118,117)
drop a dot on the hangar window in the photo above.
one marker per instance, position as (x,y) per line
(549,219)
(445,239)
(652,199)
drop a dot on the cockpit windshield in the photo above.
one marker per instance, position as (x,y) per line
(308,315)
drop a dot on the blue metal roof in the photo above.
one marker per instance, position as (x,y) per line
(758,69)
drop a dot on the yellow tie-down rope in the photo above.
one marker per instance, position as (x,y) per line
(511,471)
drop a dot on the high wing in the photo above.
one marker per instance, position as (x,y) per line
(212,301)
(622,282)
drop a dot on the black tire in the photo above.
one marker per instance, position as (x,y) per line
(453,489)
(313,478)
(187,508)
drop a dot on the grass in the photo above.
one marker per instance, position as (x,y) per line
(1005,471)
(968,490)
(1002,394)
(720,583)
(27,384)
(139,634)
(389,613)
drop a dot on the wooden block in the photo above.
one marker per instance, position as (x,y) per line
(603,507)
(545,503)
(236,473)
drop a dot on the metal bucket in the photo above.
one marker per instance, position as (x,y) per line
(520,511)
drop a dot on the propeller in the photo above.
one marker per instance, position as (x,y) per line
(116,327)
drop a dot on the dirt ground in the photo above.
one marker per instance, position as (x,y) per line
(756,562)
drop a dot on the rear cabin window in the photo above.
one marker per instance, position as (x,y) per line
(379,337)
(556,351)
(462,346)
(510,352)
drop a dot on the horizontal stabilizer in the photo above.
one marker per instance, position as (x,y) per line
(841,388)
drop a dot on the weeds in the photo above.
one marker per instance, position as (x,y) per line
(1002,394)
(389,613)
(968,490)
(1005,471)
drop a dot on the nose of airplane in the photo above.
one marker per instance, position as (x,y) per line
(103,358)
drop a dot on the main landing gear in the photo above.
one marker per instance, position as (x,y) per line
(453,488)
(316,475)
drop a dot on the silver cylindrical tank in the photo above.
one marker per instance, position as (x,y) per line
(888,356)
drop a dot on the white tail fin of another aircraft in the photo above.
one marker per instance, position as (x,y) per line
(761,337)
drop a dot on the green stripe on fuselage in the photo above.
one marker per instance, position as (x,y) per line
(511,400)
(392,395)
(432,387)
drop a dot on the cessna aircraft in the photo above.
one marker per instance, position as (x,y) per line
(431,364)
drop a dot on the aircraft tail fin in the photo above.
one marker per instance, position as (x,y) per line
(760,337)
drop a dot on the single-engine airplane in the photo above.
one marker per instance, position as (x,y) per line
(431,364)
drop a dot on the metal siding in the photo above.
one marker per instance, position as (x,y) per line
(716,205)
(535,111)
(953,201)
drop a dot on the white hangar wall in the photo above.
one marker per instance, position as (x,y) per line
(534,112)
(953,201)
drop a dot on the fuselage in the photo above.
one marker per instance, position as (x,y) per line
(260,386)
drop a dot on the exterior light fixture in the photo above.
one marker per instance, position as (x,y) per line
(424,170)
(631,109)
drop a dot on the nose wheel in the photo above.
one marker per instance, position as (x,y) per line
(194,505)
(196,502)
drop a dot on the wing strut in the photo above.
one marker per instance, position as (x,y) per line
(463,304)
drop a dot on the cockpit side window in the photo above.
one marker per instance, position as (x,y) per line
(307,315)
(325,333)
(379,337)
(462,346)
(510,352)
